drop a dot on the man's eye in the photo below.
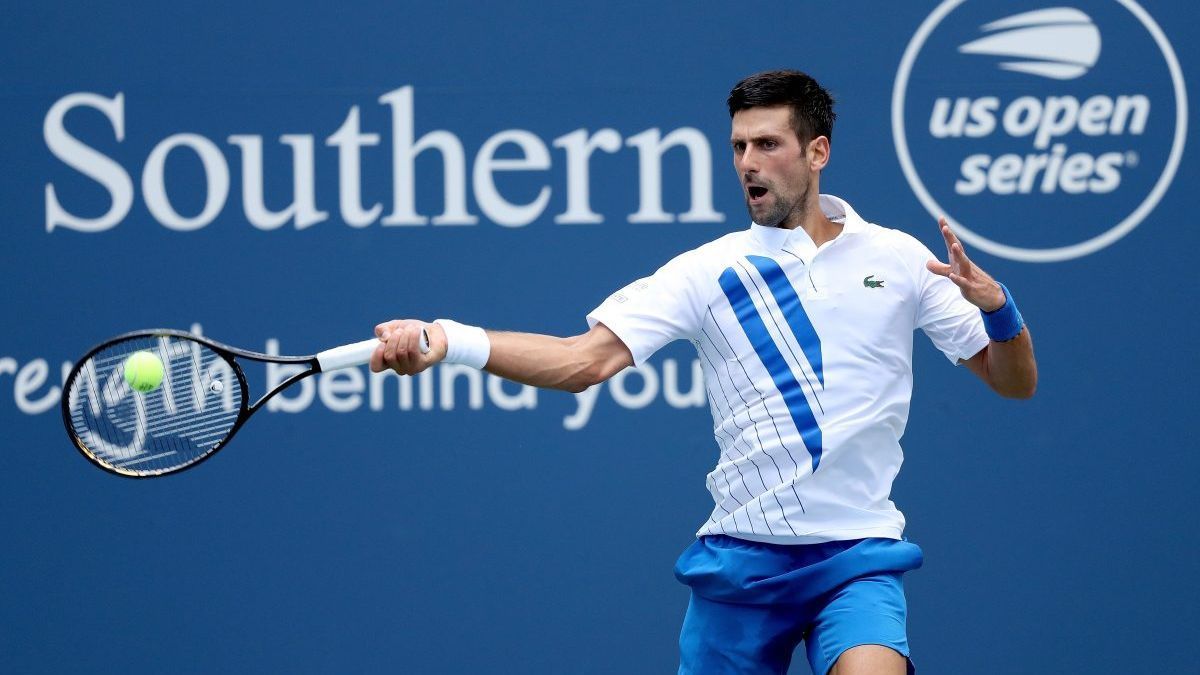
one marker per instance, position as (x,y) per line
(769,145)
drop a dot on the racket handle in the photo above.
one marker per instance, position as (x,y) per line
(358,353)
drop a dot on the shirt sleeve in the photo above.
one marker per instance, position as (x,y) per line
(950,321)
(655,310)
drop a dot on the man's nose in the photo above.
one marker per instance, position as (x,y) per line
(748,162)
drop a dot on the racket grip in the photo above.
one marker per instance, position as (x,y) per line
(358,353)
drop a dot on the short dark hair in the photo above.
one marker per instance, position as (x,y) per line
(812,106)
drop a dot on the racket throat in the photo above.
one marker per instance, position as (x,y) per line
(278,388)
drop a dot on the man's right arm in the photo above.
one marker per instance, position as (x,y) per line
(572,363)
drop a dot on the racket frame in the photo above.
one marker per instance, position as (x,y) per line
(227,353)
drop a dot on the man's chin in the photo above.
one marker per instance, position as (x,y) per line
(764,217)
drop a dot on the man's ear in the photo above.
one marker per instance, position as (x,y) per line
(817,153)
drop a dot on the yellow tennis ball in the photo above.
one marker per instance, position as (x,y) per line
(143,371)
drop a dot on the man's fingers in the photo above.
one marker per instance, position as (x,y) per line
(959,256)
(976,286)
(402,350)
(389,351)
(948,234)
(399,347)
(938,267)
(413,336)
(399,343)
(385,328)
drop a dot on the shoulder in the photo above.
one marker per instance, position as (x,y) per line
(907,247)
(715,253)
(723,245)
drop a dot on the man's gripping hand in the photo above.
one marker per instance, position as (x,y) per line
(399,346)
(977,286)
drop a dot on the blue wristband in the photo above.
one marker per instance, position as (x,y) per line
(1003,323)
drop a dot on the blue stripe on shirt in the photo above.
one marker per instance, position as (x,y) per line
(772,359)
(793,310)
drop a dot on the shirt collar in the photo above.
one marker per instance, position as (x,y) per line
(834,208)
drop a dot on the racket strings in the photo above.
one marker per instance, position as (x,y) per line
(179,422)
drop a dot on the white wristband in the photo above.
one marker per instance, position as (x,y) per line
(468,345)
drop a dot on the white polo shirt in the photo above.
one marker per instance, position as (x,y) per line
(807,356)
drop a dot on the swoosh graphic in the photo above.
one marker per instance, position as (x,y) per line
(1059,43)
(1056,71)
(1041,17)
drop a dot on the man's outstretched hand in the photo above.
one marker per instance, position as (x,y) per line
(399,346)
(977,286)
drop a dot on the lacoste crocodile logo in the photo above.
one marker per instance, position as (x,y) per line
(870,282)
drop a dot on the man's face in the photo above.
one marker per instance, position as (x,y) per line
(771,166)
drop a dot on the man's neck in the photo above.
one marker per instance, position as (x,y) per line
(819,228)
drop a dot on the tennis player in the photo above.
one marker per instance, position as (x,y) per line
(804,324)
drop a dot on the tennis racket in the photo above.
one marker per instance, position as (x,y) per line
(201,402)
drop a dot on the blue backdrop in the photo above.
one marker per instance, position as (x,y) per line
(152,152)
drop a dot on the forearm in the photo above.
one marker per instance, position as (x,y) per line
(1011,369)
(541,360)
(573,363)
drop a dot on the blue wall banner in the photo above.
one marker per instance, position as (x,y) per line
(284,176)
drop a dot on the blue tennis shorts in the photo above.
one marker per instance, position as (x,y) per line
(752,603)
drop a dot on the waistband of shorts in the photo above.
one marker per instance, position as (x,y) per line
(727,569)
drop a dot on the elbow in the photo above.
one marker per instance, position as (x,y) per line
(575,373)
(1019,390)
(1029,390)
(578,384)
(594,360)
(581,370)
(585,377)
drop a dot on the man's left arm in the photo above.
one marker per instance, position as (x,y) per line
(1006,364)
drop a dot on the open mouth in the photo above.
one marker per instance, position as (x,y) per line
(756,193)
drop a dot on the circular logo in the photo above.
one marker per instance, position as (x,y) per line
(1050,130)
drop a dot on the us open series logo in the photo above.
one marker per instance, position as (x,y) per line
(1043,133)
